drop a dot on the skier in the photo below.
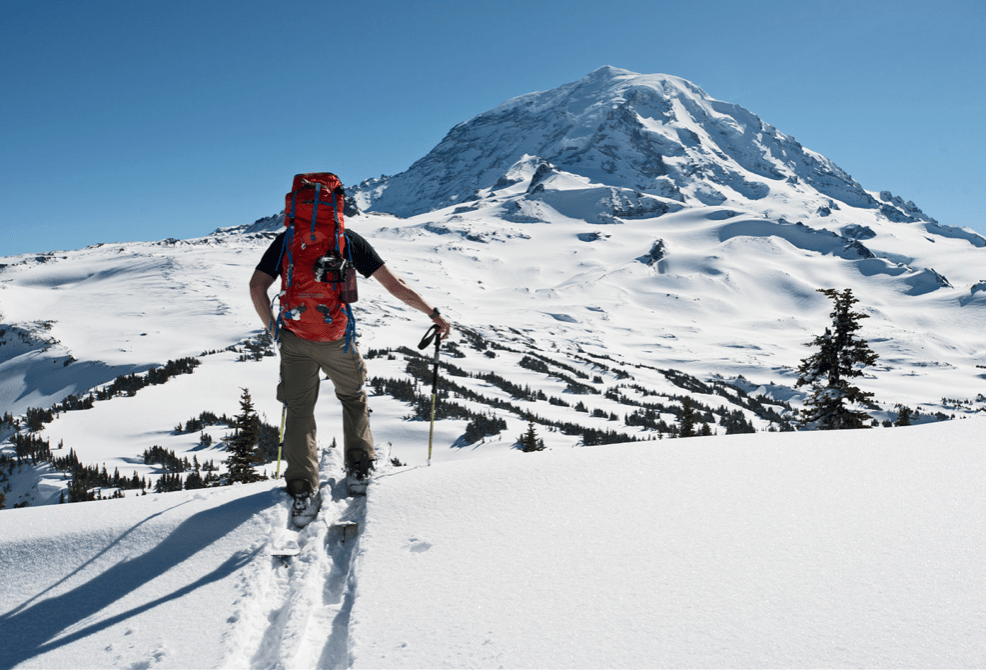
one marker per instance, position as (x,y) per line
(301,361)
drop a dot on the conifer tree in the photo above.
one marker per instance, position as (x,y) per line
(242,446)
(530,441)
(904,415)
(840,357)
(686,421)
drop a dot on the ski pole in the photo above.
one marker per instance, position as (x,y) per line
(432,334)
(280,443)
(276,335)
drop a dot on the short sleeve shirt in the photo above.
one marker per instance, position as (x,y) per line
(365,257)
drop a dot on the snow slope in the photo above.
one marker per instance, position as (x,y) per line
(850,549)
(765,551)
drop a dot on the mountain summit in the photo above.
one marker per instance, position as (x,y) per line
(653,135)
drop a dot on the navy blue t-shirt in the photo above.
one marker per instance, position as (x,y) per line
(366,260)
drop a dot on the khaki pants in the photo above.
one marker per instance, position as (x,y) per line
(301,362)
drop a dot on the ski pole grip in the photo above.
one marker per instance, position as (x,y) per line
(429,336)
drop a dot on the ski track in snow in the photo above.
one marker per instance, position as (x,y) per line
(295,612)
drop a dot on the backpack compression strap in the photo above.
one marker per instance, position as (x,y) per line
(286,247)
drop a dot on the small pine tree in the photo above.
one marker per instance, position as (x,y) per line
(904,415)
(242,445)
(194,480)
(530,441)
(686,422)
(841,355)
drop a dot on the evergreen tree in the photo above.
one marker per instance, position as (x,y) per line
(483,425)
(194,481)
(686,421)
(904,415)
(530,441)
(841,356)
(242,446)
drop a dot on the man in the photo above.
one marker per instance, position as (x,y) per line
(301,361)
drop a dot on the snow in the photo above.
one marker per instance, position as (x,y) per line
(763,551)
(848,549)
(131,583)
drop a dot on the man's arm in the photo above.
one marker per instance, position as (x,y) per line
(397,288)
(260,283)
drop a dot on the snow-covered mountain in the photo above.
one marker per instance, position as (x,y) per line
(605,249)
(629,225)
(654,135)
(624,197)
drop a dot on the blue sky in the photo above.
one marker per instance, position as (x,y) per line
(138,120)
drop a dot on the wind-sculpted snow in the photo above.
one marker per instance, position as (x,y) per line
(977,295)
(116,309)
(955,232)
(925,281)
(603,204)
(799,235)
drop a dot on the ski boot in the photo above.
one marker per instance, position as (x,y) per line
(306,503)
(358,474)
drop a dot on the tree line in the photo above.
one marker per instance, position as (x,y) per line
(481,424)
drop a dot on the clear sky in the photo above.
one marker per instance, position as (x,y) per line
(141,120)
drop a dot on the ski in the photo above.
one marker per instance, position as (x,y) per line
(284,544)
(286,549)
(358,473)
(347,529)
(357,485)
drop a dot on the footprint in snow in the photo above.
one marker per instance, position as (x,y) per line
(419,547)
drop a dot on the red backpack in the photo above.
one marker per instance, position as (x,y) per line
(316,266)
